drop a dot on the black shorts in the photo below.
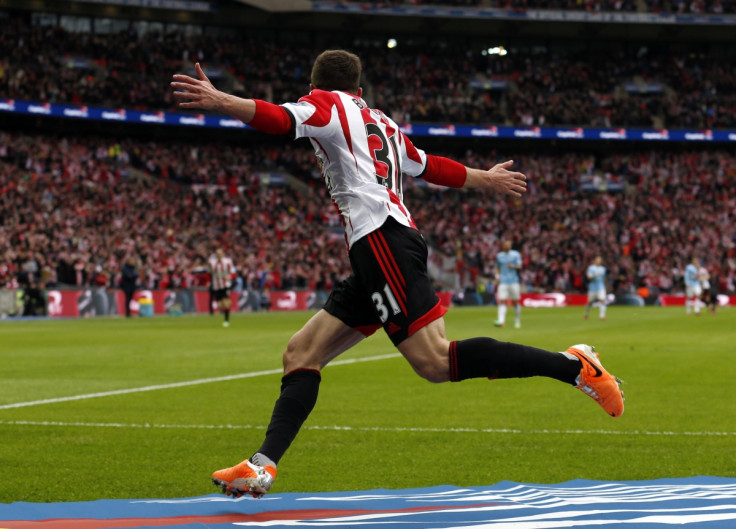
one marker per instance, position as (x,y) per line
(389,287)
(220,294)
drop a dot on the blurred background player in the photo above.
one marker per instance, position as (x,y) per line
(704,277)
(35,298)
(129,282)
(508,264)
(693,287)
(596,275)
(222,271)
(713,290)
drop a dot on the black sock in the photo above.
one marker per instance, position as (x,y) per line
(227,315)
(299,391)
(486,357)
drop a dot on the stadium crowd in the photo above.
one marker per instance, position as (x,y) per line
(644,85)
(73,209)
(641,232)
(72,212)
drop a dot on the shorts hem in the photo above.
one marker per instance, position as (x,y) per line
(435,313)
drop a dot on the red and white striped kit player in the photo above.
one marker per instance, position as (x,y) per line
(363,156)
(222,270)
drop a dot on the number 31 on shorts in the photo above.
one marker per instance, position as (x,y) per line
(380,302)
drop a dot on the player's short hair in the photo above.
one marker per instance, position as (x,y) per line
(337,70)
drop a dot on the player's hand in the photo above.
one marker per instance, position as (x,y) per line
(498,178)
(195,93)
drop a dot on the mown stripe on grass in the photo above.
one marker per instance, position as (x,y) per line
(181,384)
(365,428)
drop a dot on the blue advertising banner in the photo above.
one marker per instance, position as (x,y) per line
(462,131)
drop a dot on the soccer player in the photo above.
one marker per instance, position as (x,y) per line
(222,270)
(363,156)
(129,282)
(596,275)
(693,287)
(704,277)
(713,290)
(508,264)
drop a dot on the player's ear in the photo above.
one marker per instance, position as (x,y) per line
(360,91)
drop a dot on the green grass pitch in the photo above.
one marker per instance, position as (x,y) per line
(376,424)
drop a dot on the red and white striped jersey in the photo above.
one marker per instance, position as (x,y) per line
(222,272)
(363,155)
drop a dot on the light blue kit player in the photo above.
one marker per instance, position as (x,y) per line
(693,287)
(596,275)
(508,264)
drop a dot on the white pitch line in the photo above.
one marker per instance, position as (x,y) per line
(338,428)
(181,384)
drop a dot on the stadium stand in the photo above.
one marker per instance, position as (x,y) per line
(74,209)
(555,83)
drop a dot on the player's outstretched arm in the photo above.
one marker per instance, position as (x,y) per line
(191,93)
(450,173)
(498,178)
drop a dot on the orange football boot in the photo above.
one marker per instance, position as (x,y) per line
(245,478)
(596,382)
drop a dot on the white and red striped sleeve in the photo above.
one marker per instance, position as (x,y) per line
(414,161)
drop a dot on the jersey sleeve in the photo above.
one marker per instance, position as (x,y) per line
(314,115)
(270,118)
(444,171)
(413,160)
